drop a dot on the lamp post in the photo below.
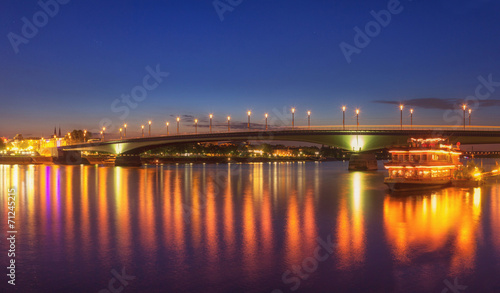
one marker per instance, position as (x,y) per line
(248,125)
(228,123)
(309,119)
(149,122)
(102,135)
(470,111)
(178,119)
(357,119)
(411,118)
(343,117)
(464,106)
(210,116)
(266,119)
(401,108)
(121,133)
(195,125)
(293,117)
(125,130)
(142,129)
(168,123)
(69,138)
(103,130)
(85,135)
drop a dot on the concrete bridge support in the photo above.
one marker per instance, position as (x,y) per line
(363,162)
(70,158)
(128,160)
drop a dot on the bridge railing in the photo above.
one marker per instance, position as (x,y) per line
(328,127)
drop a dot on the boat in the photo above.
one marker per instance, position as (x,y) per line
(425,164)
(469,175)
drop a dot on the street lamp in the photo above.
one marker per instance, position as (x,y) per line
(103,130)
(125,130)
(343,117)
(401,108)
(211,116)
(249,113)
(167,126)
(293,117)
(142,129)
(149,122)
(121,133)
(309,119)
(102,135)
(85,135)
(470,111)
(266,119)
(195,125)
(228,125)
(357,119)
(178,119)
(464,106)
(411,118)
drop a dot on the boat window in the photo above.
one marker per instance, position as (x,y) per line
(406,158)
(416,158)
(424,157)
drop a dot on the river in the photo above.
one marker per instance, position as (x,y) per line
(262,227)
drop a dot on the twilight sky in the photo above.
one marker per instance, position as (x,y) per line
(264,56)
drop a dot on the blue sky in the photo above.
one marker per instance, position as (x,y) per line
(265,56)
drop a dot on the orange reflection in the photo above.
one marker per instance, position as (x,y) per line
(249,233)
(84,213)
(28,201)
(103,209)
(495,216)
(266,222)
(423,224)
(309,222)
(122,221)
(69,232)
(195,210)
(179,215)
(350,226)
(229,236)
(167,206)
(211,220)
(292,229)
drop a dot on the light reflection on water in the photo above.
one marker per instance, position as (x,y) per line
(241,226)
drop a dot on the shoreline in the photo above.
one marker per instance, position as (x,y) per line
(108,160)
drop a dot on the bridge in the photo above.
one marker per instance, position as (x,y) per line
(364,139)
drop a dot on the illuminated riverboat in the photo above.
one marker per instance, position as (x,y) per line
(425,164)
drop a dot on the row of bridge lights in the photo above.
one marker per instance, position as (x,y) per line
(249,113)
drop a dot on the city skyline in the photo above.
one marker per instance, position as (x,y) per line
(262,57)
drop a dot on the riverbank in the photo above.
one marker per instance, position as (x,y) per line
(25,160)
(170,160)
(109,160)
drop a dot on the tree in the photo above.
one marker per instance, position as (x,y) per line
(267,149)
(77,135)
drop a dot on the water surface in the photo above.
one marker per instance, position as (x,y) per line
(260,227)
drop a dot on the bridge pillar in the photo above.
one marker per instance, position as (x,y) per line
(70,157)
(363,162)
(128,160)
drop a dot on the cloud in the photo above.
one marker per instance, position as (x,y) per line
(184,117)
(489,103)
(243,125)
(436,103)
